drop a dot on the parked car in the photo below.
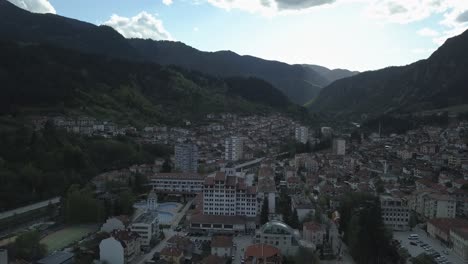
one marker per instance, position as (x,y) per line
(413,243)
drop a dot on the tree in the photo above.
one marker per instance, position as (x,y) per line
(28,246)
(166,167)
(423,259)
(264,212)
(413,220)
(305,255)
(294,222)
(125,203)
(81,207)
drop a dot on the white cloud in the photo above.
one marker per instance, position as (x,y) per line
(167,2)
(404,11)
(428,32)
(36,6)
(196,29)
(269,7)
(143,25)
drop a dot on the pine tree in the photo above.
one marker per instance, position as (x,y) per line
(264,212)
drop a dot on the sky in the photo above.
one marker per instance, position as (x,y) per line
(350,34)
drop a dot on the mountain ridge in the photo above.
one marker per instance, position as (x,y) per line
(432,83)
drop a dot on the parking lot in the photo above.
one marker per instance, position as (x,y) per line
(433,246)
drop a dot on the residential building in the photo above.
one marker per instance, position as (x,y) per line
(234,148)
(182,243)
(60,257)
(314,233)
(439,228)
(395,212)
(339,146)
(188,183)
(186,157)
(302,205)
(262,254)
(120,248)
(459,239)
(222,246)
(3,256)
(146,226)
(439,205)
(302,134)
(280,235)
(172,254)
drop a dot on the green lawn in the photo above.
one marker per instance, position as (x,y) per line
(66,236)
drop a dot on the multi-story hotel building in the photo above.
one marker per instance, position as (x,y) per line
(177,183)
(229,195)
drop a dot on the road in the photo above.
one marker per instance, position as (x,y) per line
(416,250)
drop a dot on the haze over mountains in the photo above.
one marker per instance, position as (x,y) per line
(438,82)
(300,83)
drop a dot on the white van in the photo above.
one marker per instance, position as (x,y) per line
(413,237)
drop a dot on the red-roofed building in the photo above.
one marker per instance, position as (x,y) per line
(172,254)
(440,227)
(222,246)
(262,254)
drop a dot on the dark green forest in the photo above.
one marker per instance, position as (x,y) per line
(36,165)
(45,79)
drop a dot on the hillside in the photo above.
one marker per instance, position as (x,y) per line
(331,75)
(44,79)
(437,82)
(20,25)
(299,83)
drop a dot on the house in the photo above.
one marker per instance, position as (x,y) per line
(147,226)
(60,257)
(182,243)
(313,232)
(222,246)
(120,248)
(262,254)
(172,254)
(115,223)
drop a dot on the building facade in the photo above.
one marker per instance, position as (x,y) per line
(395,212)
(339,146)
(146,226)
(177,183)
(229,195)
(234,148)
(186,157)
(302,134)
(120,248)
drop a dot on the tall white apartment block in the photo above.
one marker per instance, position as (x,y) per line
(302,134)
(234,148)
(229,196)
(339,146)
(186,157)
